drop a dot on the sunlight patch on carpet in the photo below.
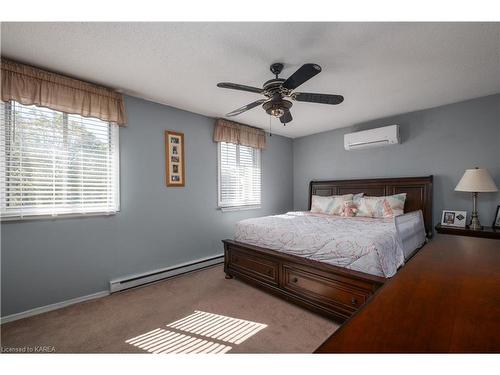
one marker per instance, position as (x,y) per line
(218,327)
(162,341)
(200,332)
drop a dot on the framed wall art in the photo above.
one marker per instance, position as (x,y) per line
(174,157)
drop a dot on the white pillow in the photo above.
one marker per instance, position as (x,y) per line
(331,205)
(388,206)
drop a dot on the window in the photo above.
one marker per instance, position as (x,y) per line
(53,163)
(239,175)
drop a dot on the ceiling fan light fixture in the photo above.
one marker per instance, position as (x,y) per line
(277,108)
(277,112)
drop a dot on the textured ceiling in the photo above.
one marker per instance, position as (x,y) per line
(380,68)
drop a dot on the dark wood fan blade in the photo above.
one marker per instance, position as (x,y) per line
(317,98)
(286,118)
(246,107)
(235,86)
(304,73)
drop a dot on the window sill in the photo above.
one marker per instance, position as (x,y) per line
(238,208)
(18,219)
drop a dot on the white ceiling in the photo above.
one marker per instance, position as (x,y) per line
(380,68)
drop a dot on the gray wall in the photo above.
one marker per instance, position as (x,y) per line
(441,141)
(47,261)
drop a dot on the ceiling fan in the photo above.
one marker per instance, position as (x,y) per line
(277,89)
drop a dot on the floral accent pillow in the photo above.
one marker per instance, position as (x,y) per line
(357,197)
(331,205)
(390,206)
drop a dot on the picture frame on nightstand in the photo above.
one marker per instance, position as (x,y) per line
(452,218)
(496,220)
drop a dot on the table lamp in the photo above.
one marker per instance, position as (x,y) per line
(476,181)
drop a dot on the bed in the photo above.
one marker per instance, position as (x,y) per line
(329,264)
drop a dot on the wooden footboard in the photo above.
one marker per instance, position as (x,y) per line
(329,290)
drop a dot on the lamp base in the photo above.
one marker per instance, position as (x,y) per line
(475,224)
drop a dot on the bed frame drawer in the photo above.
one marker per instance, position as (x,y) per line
(256,267)
(325,291)
(329,290)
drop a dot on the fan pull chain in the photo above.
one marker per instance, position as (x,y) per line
(270,134)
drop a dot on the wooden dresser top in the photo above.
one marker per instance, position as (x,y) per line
(445,300)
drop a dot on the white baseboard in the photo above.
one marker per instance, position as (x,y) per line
(121,284)
(136,280)
(54,306)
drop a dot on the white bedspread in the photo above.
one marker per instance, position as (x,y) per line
(358,243)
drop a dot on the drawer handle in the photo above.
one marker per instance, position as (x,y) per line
(294,280)
(354,301)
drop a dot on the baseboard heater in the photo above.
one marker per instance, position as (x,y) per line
(165,273)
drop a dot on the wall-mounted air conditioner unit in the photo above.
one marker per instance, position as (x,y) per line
(387,135)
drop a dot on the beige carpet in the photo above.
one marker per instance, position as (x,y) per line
(141,316)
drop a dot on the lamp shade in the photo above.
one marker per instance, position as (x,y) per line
(476,181)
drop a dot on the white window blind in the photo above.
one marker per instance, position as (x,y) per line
(239,175)
(53,163)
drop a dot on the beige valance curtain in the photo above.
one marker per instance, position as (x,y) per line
(32,86)
(232,132)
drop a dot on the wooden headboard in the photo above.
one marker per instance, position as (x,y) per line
(418,192)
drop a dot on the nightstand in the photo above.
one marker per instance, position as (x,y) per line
(486,232)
